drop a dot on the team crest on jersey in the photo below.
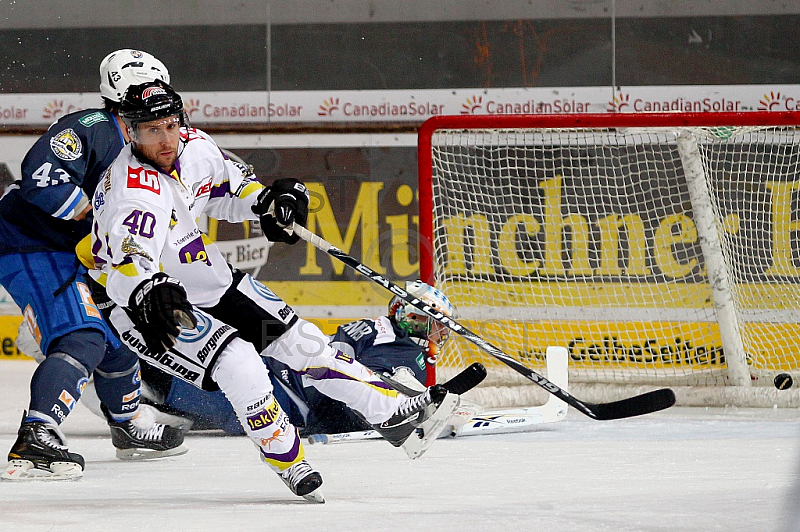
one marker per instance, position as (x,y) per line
(66,145)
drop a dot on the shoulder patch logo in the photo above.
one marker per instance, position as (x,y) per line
(92,119)
(131,247)
(66,145)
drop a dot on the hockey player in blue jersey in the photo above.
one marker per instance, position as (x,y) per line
(394,346)
(42,218)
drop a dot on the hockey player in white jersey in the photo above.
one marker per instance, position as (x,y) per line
(166,283)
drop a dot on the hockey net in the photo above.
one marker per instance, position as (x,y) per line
(659,249)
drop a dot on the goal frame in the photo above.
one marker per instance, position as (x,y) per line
(739,374)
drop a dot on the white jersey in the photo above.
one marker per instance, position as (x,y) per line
(145,220)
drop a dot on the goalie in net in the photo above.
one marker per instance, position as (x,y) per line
(399,346)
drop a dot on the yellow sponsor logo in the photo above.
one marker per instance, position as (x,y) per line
(8,338)
(630,345)
(264,417)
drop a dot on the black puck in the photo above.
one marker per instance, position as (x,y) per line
(783,381)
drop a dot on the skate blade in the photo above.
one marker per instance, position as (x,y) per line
(150,454)
(423,436)
(18,470)
(315,496)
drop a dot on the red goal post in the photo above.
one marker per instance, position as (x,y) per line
(658,248)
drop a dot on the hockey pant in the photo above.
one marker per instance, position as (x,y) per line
(67,326)
(267,322)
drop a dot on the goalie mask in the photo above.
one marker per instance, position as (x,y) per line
(123,68)
(417,323)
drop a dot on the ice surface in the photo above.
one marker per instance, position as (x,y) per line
(683,469)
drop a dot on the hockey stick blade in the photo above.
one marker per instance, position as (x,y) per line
(632,406)
(467,379)
(635,406)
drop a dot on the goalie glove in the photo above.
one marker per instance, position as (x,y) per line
(280,204)
(158,308)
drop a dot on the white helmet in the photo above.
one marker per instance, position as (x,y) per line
(416,322)
(123,68)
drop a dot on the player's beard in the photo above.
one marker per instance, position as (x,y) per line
(161,157)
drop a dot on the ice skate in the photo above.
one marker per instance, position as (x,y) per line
(303,481)
(40,453)
(141,438)
(419,420)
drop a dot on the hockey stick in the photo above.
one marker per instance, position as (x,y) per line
(632,406)
(496,421)
(466,379)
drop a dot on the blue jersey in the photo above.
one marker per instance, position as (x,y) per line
(381,346)
(59,172)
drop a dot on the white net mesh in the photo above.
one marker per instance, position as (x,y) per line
(587,239)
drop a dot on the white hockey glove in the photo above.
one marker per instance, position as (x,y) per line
(158,308)
(280,204)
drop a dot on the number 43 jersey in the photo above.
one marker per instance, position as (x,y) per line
(145,220)
(59,175)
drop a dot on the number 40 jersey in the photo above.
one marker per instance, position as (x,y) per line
(145,220)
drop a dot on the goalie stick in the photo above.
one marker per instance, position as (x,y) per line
(633,406)
(496,421)
(521,419)
(459,384)
(467,379)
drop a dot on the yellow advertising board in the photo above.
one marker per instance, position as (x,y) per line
(8,337)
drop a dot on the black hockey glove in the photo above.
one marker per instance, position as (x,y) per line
(158,308)
(280,204)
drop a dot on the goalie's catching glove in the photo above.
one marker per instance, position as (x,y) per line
(158,308)
(280,204)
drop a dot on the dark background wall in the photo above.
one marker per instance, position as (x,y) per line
(352,44)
